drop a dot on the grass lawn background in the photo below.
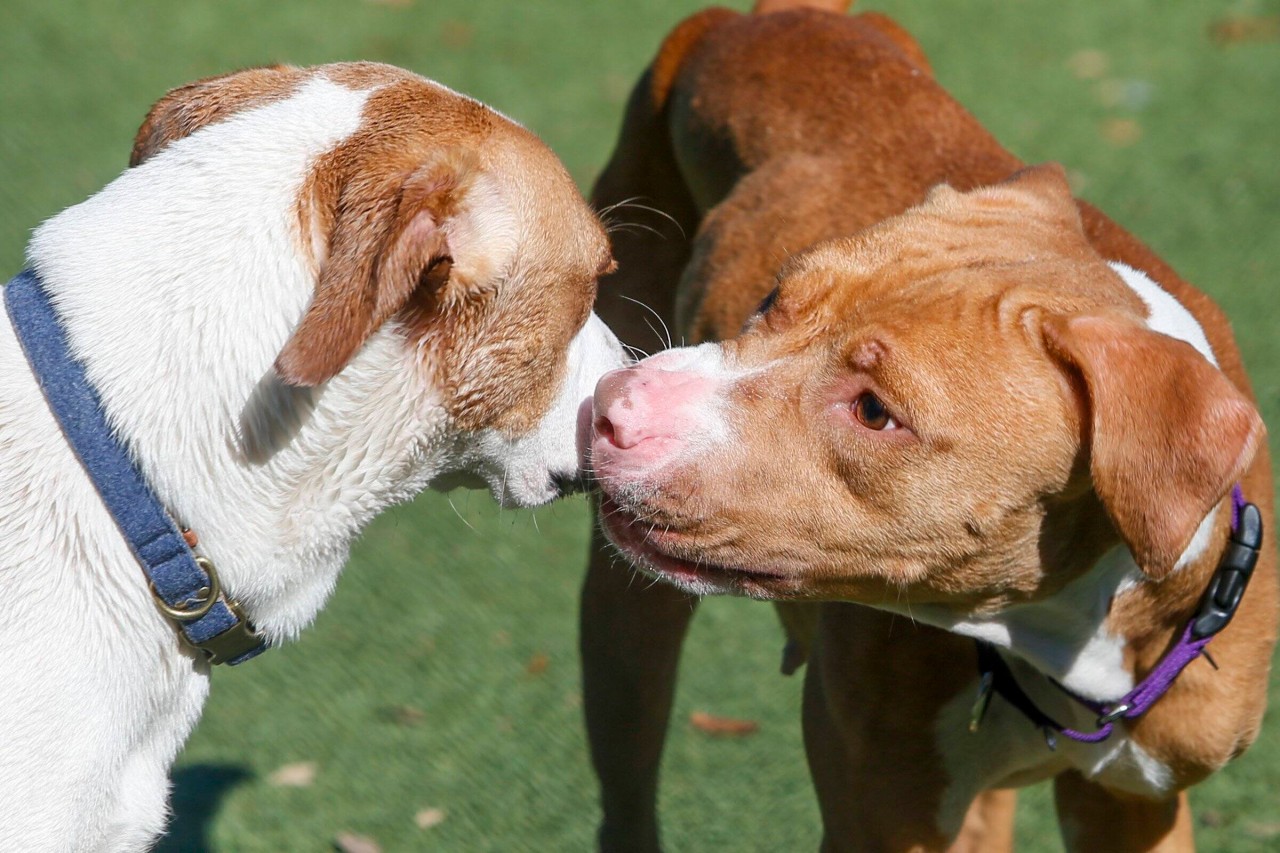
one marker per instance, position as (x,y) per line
(443,674)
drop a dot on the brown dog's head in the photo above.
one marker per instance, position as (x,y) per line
(426,216)
(922,411)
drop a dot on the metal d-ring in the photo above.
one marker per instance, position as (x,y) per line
(209,596)
(1114,714)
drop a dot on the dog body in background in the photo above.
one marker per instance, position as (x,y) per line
(975,404)
(316,292)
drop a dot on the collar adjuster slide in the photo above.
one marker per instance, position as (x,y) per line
(224,647)
(1226,588)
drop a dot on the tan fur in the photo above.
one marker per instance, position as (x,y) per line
(764,7)
(985,316)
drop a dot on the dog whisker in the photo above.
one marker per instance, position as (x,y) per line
(666,336)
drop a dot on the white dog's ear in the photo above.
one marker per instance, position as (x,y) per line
(1168,433)
(188,108)
(388,239)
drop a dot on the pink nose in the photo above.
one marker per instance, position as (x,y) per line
(612,395)
(641,414)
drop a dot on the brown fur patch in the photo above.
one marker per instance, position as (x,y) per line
(409,205)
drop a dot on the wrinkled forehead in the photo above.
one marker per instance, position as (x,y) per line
(939,320)
(928,266)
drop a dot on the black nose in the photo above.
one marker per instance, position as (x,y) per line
(570,484)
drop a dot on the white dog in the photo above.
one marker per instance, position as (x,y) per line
(317,292)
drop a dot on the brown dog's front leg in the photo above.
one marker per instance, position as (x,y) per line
(631,633)
(988,824)
(1095,819)
(873,690)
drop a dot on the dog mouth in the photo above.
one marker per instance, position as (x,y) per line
(648,546)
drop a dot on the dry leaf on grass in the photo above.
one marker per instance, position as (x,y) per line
(1088,64)
(1121,131)
(350,842)
(427,818)
(537,664)
(1262,830)
(299,774)
(722,726)
(404,715)
(1244,28)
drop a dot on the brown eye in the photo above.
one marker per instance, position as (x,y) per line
(871,413)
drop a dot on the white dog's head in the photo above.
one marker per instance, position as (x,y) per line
(456,233)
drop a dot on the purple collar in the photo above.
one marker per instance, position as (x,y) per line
(1218,605)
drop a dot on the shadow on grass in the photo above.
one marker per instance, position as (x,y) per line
(197,793)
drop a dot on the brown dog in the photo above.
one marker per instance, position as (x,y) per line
(974,401)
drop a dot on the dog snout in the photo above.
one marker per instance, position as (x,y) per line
(641,415)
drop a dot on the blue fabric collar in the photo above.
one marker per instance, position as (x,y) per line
(185,587)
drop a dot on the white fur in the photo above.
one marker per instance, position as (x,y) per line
(1065,635)
(1008,751)
(1167,315)
(179,283)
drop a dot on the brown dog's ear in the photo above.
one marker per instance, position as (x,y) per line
(188,108)
(386,242)
(1170,433)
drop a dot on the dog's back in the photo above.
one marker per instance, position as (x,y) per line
(741,141)
(765,155)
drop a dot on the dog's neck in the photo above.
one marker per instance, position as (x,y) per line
(178,284)
(1070,636)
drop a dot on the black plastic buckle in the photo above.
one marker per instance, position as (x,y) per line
(1227,586)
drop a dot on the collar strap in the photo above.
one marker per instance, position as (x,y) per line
(185,587)
(1217,606)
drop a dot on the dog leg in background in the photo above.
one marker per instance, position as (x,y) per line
(632,633)
(1095,819)
(863,690)
(632,629)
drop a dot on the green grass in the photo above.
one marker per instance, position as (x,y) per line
(443,674)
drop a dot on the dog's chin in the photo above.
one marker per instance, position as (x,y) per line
(508,493)
(631,536)
(515,489)
(534,488)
